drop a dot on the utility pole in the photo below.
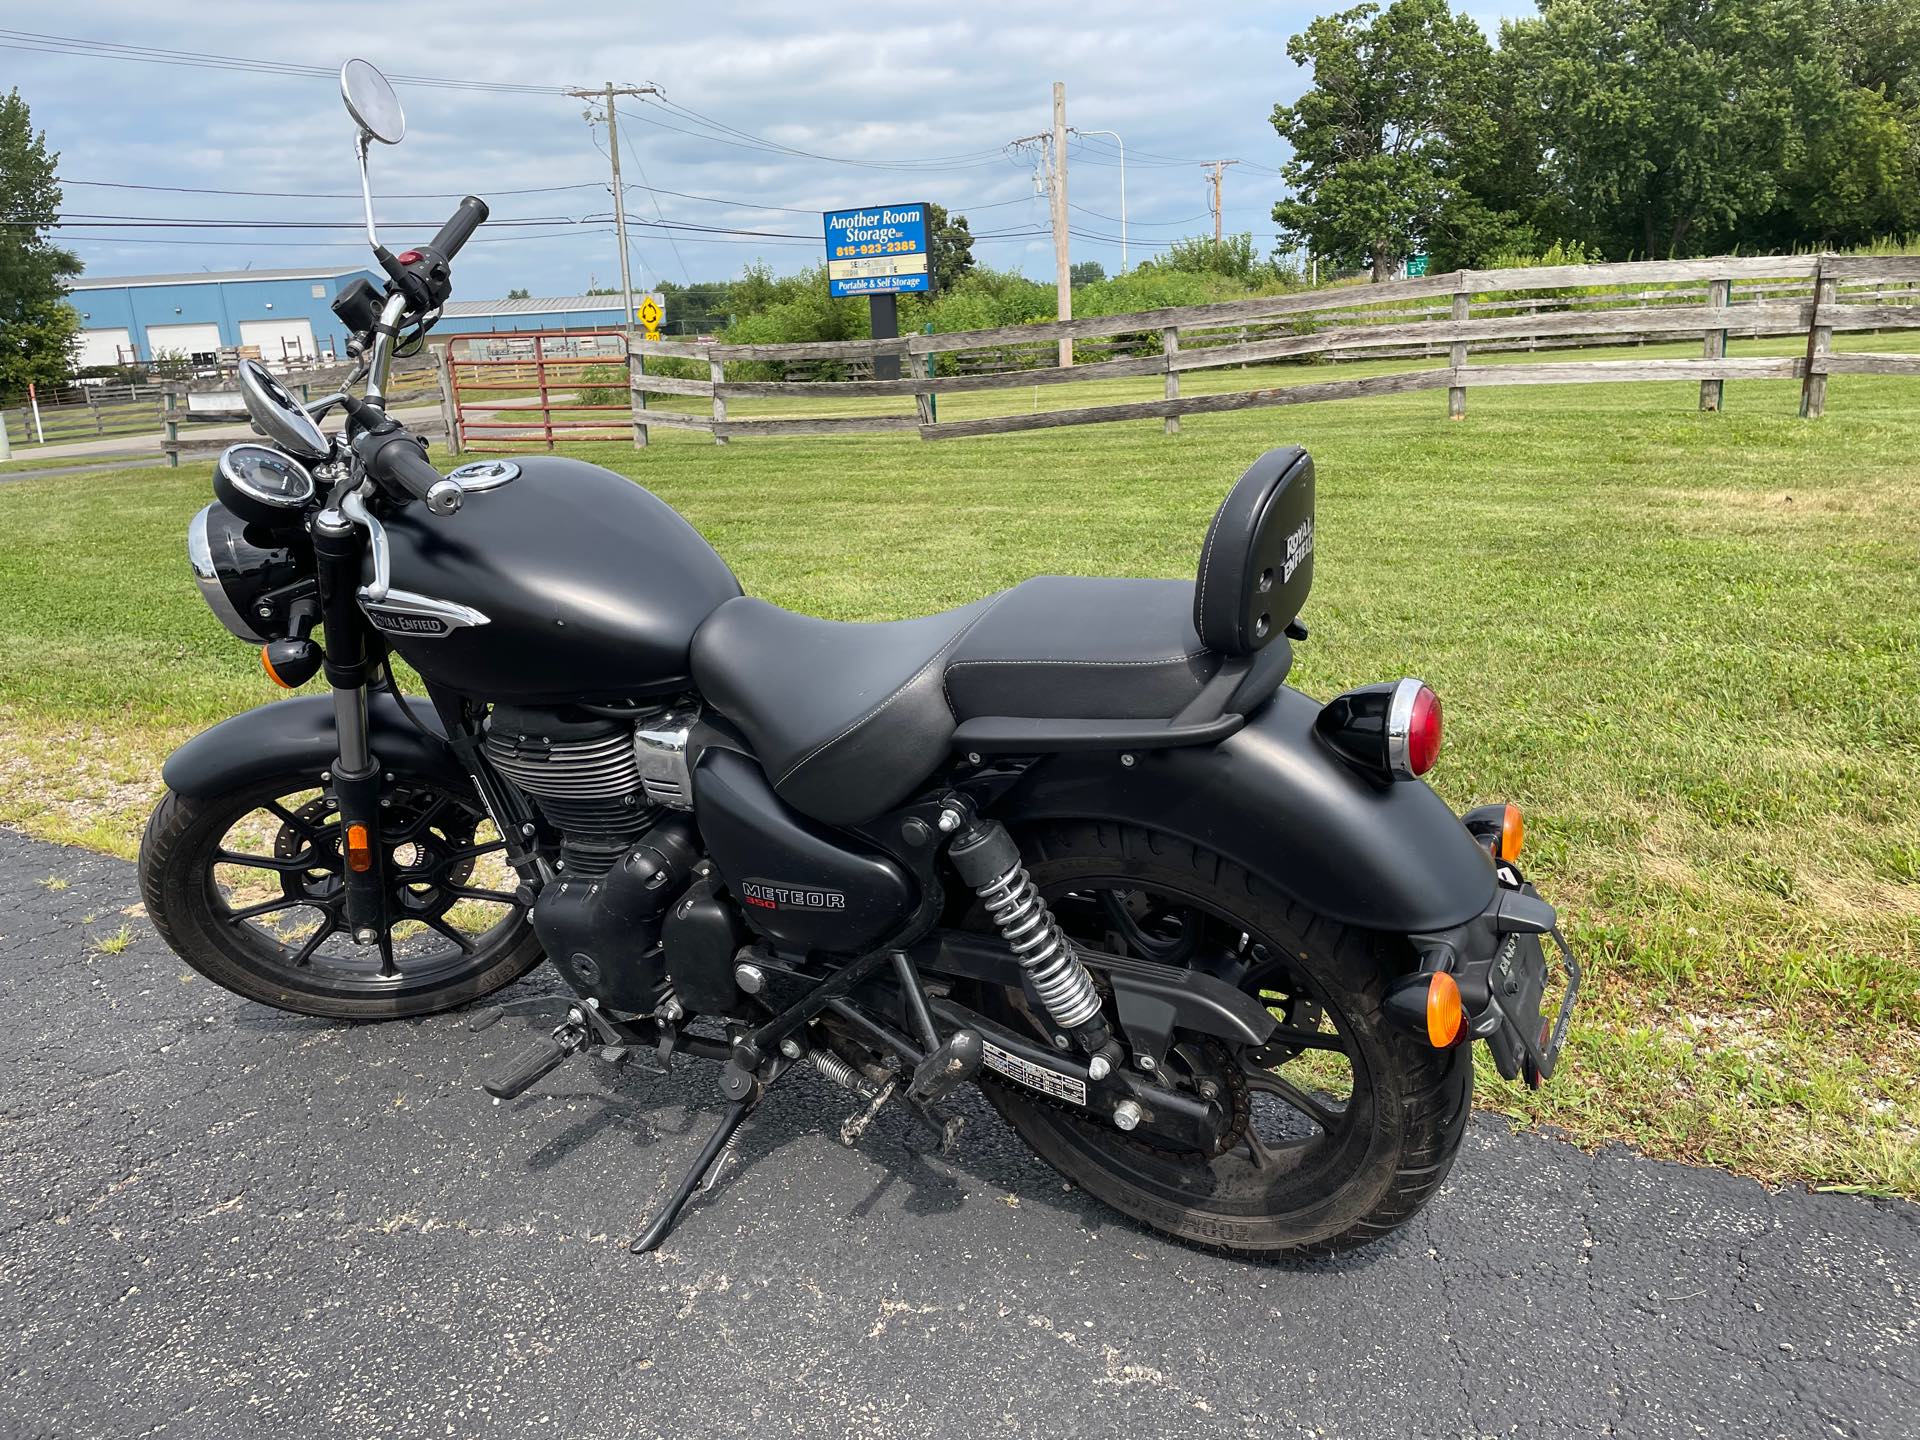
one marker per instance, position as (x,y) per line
(1217,168)
(1062,261)
(606,97)
(1053,147)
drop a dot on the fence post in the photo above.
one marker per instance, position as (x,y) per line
(717,370)
(6,445)
(171,411)
(1713,392)
(1813,387)
(636,368)
(449,412)
(1170,350)
(1457,360)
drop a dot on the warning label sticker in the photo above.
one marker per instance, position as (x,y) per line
(1036,1077)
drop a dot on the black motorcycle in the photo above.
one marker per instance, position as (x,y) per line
(1212,948)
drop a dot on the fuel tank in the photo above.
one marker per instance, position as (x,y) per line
(565,582)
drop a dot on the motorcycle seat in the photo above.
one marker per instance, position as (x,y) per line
(848,718)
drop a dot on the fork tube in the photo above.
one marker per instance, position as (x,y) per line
(337,546)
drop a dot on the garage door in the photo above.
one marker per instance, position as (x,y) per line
(196,342)
(105,347)
(288,339)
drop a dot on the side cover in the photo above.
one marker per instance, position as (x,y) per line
(1273,798)
(298,734)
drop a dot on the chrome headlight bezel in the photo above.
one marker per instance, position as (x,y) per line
(245,584)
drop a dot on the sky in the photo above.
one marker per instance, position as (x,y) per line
(772,112)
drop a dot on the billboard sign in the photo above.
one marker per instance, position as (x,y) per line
(877,250)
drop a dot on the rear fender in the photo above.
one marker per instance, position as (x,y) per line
(1272,798)
(298,734)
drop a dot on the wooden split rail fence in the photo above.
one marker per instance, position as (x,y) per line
(1493,310)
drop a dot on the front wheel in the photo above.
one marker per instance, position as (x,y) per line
(248,888)
(1341,1127)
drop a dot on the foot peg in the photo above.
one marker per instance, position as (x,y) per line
(947,1069)
(540,1058)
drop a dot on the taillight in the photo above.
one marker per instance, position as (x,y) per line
(1391,730)
(1415,743)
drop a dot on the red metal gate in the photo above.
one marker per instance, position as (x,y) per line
(514,389)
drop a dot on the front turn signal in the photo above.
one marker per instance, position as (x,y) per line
(291,662)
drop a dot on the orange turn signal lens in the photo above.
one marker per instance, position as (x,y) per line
(1513,830)
(360,860)
(266,664)
(1446,1021)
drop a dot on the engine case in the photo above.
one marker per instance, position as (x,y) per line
(603,932)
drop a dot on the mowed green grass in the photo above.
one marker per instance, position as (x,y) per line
(1685,644)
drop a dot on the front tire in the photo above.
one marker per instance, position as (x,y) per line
(246,887)
(1351,1154)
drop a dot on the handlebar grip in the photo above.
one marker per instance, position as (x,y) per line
(395,459)
(469,217)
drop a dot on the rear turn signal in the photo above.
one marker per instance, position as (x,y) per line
(1513,830)
(1429,1005)
(1446,1022)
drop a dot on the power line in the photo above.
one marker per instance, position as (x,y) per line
(35,41)
(326,194)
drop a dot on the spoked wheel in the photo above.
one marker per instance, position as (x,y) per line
(1338,1129)
(249,889)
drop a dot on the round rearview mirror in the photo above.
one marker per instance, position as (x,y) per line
(278,416)
(372,103)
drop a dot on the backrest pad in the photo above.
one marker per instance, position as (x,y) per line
(1256,565)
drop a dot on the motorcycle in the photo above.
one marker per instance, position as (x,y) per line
(1213,949)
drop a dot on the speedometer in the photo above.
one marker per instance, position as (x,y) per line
(262,485)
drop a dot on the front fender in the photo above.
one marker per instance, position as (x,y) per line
(298,734)
(1274,799)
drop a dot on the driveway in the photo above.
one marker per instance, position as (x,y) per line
(217,1220)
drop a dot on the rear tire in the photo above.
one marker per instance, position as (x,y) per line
(1373,1161)
(432,967)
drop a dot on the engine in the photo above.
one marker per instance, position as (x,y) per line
(616,791)
(600,782)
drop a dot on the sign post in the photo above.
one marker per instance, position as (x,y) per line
(879,251)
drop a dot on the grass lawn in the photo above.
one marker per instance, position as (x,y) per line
(1685,644)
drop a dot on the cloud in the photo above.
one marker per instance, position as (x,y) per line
(875,86)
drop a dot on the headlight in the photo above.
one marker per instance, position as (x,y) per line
(251,587)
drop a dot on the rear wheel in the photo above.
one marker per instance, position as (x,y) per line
(248,888)
(1341,1127)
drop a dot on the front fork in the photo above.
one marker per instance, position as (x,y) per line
(351,665)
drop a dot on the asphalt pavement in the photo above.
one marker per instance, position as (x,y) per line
(218,1220)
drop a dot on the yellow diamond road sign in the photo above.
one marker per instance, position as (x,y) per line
(649,315)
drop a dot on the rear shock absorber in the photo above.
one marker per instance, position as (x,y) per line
(988,860)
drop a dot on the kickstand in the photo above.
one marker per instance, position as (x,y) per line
(662,1224)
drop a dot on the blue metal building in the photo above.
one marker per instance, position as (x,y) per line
(140,317)
(569,312)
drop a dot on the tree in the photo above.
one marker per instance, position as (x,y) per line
(518,294)
(39,327)
(1674,128)
(949,245)
(1086,272)
(1396,95)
